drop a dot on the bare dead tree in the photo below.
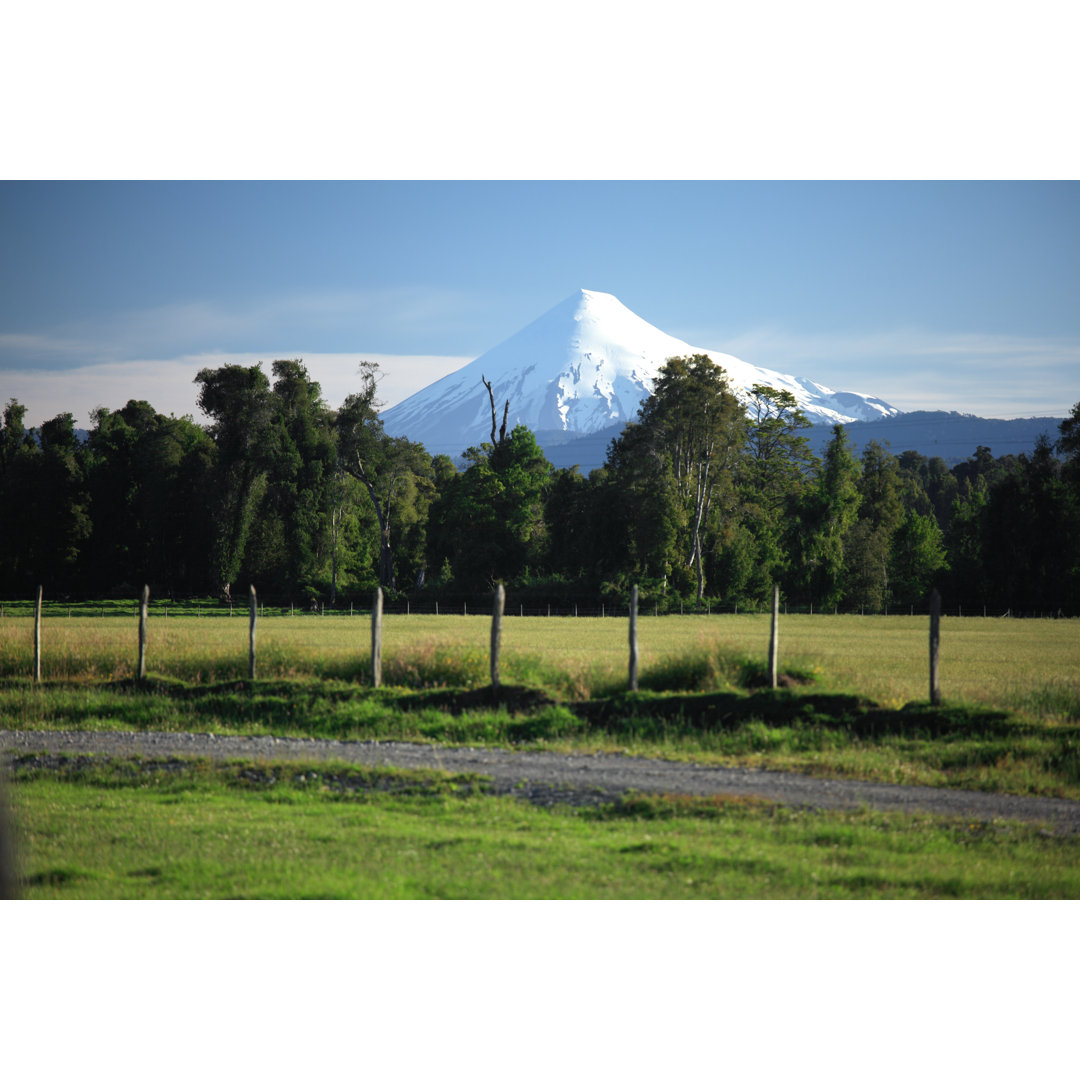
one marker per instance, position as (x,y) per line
(506,413)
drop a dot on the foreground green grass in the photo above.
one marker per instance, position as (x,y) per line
(111,831)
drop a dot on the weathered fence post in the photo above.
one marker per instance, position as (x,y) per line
(935,642)
(143,604)
(251,633)
(496,638)
(633,638)
(37,637)
(774,636)
(376,638)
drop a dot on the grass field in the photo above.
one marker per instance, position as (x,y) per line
(854,705)
(327,831)
(1026,665)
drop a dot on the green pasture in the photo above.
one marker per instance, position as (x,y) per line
(852,704)
(154,830)
(1026,665)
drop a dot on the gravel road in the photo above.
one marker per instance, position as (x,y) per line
(548,778)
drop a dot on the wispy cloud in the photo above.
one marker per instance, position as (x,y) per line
(986,374)
(169,384)
(390,319)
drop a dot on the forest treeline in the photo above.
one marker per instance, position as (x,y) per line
(700,498)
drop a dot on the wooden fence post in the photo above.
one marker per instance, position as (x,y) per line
(376,638)
(496,638)
(935,642)
(774,636)
(633,638)
(251,633)
(143,604)
(37,637)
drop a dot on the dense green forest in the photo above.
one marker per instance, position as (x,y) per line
(700,499)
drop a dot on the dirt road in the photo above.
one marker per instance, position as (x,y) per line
(549,778)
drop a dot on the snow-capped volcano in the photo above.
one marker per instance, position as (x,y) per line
(585,365)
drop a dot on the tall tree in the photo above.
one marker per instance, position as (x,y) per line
(146,474)
(238,401)
(692,427)
(1029,544)
(393,471)
(290,543)
(490,517)
(61,508)
(964,544)
(916,557)
(829,516)
(19,467)
(777,467)
(868,546)
(1068,445)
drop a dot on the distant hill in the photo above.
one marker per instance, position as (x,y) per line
(949,435)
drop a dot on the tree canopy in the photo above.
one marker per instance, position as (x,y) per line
(705,497)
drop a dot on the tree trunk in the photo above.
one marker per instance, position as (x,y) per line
(386,562)
(333,554)
(386,558)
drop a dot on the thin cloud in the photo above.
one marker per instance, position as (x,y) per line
(170,388)
(286,324)
(989,375)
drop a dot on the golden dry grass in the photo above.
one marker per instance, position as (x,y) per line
(1029,665)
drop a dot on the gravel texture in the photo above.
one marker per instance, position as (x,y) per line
(577,779)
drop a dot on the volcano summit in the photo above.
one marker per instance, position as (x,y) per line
(581,368)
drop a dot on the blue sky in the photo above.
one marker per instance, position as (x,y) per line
(950,295)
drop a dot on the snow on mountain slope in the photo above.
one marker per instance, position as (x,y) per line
(584,365)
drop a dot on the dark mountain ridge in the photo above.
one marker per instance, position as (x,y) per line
(952,436)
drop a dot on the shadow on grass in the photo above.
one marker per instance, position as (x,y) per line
(527,713)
